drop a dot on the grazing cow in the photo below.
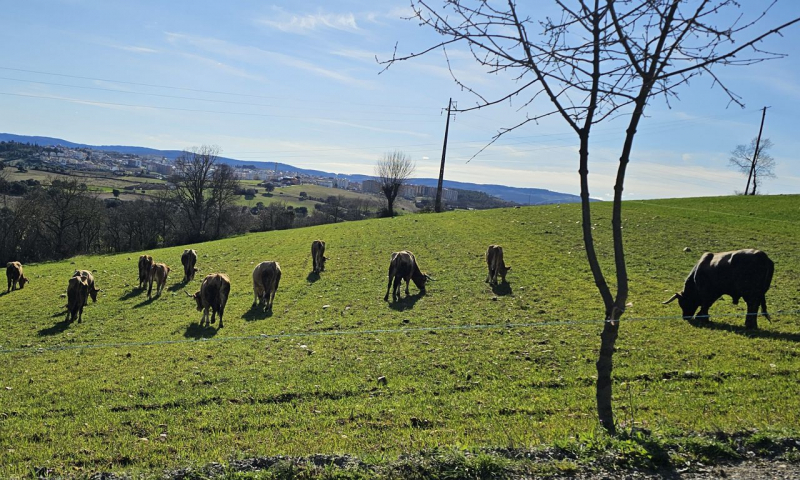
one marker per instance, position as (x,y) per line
(158,273)
(740,274)
(403,266)
(77,291)
(494,259)
(15,276)
(145,262)
(87,275)
(318,255)
(213,293)
(189,259)
(266,278)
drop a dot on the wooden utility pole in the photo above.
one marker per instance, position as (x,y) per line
(755,155)
(438,207)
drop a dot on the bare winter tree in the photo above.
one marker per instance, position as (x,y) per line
(594,60)
(224,185)
(742,160)
(393,171)
(192,181)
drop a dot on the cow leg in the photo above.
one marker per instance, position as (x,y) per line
(407,294)
(702,315)
(80,314)
(255,297)
(751,319)
(388,287)
(221,311)
(271,298)
(764,307)
(150,289)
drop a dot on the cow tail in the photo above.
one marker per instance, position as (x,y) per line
(767,283)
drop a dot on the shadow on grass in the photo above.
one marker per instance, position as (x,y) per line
(57,328)
(194,330)
(312,277)
(745,332)
(146,302)
(177,286)
(135,292)
(501,289)
(256,312)
(405,303)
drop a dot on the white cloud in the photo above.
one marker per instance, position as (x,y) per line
(305,24)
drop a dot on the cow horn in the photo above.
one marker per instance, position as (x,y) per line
(677,295)
(429,278)
(187,293)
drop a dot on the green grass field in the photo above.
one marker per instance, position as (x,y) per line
(138,386)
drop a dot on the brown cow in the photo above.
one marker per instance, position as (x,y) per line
(403,266)
(15,276)
(158,273)
(266,278)
(213,293)
(318,255)
(494,260)
(77,291)
(189,259)
(145,262)
(743,274)
(87,275)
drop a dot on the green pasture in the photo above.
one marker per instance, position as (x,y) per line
(138,386)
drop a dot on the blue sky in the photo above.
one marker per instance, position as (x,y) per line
(297,82)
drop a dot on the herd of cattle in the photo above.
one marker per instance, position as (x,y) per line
(741,274)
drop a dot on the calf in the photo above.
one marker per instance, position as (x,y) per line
(741,274)
(213,294)
(145,262)
(403,266)
(77,291)
(266,278)
(89,278)
(158,273)
(494,260)
(318,255)
(15,276)
(189,259)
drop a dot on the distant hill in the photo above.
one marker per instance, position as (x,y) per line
(522,196)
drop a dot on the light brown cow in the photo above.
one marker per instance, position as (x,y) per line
(403,266)
(494,260)
(145,262)
(158,273)
(77,291)
(266,278)
(189,259)
(318,255)
(15,276)
(87,275)
(213,294)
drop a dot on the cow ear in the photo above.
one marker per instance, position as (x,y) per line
(677,295)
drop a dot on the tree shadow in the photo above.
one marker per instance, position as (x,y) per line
(146,302)
(135,292)
(405,303)
(312,277)
(57,328)
(177,286)
(501,289)
(256,312)
(194,330)
(746,332)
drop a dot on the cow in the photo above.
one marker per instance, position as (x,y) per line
(145,262)
(403,266)
(266,278)
(741,274)
(158,273)
(77,291)
(92,291)
(213,294)
(15,276)
(189,259)
(494,260)
(318,255)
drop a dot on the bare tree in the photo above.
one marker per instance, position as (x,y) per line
(224,185)
(742,160)
(393,171)
(598,59)
(192,180)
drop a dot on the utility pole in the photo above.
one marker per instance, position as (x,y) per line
(438,207)
(755,155)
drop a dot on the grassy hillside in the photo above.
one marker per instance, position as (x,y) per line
(139,386)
